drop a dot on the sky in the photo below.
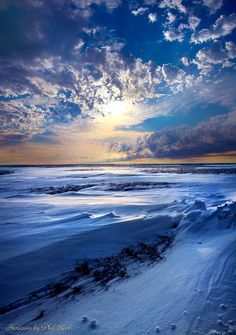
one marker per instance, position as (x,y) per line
(117,81)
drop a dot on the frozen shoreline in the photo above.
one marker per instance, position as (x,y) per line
(193,289)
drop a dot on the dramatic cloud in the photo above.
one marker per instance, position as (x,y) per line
(211,137)
(223,26)
(58,91)
(37,28)
(98,69)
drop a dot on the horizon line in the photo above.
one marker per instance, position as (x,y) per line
(112,164)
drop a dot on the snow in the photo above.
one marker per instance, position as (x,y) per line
(44,235)
(157,329)
(93,324)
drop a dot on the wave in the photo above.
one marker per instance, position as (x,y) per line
(71,218)
(52,190)
(110,215)
(139,185)
(192,170)
(4,172)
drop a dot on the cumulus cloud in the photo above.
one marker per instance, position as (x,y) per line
(170,17)
(213,5)
(220,91)
(223,26)
(24,124)
(152,17)
(215,136)
(56,84)
(193,22)
(139,11)
(185,61)
(171,73)
(215,54)
(177,26)
(173,4)
(67,67)
(56,77)
(231,49)
(56,90)
(87,4)
(177,79)
(33,34)
(173,35)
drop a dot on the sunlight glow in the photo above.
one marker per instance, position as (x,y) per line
(118,109)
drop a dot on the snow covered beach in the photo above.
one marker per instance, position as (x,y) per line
(53,219)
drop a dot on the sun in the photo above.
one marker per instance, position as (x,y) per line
(114,115)
(118,110)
